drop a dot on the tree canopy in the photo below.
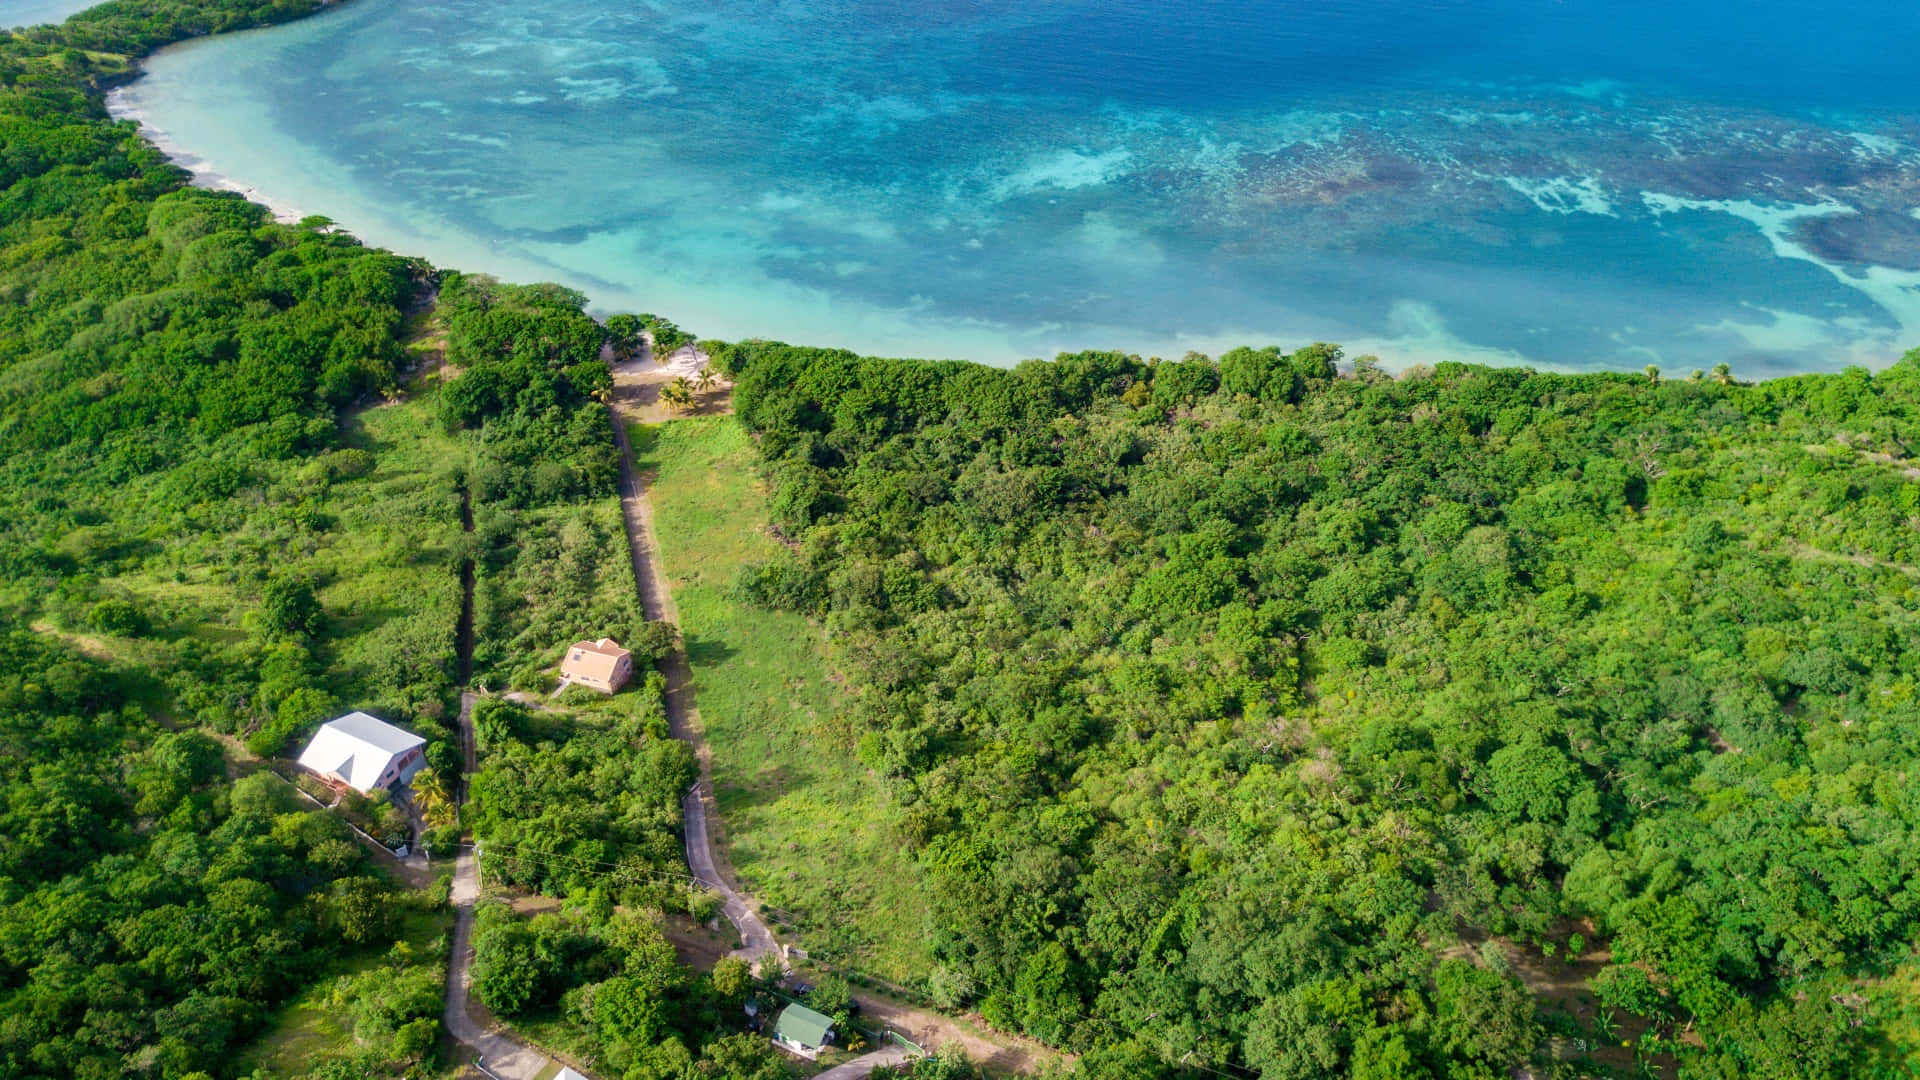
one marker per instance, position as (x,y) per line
(1222,701)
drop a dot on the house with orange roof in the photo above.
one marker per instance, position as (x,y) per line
(599,665)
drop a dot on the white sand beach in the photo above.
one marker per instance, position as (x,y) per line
(205,173)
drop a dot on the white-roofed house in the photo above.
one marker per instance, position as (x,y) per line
(363,753)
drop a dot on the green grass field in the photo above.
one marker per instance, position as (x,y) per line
(390,579)
(806,826)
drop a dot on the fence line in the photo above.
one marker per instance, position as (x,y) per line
(341,818)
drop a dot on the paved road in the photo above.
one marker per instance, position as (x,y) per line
(758,946)
(757,942)
(465,1020)
(503,1057)
(866,1063)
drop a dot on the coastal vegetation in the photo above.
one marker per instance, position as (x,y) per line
(238,488)
(200,543)
(1246,715)
(1261,715)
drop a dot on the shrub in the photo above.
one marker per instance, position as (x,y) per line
(288,606)
(118,617)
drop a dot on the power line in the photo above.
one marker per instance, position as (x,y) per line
(586,866)
(625,874)
(582,864)
(589,866)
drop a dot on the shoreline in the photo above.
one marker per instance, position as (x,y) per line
(1411,332)
(204,173)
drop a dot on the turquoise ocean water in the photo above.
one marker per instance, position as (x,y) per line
(1570,183)
(35,12)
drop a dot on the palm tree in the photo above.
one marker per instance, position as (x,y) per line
(1653,373)
(1696,376)
(431,796)
(703,381)
(1722,374)
(677,395)
(623,333)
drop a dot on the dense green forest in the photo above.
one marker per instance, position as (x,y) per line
(171,367)
(172,371)
(151,912)
(234,501)
(1251,716)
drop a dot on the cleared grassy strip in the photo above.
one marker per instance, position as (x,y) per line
(391,577)
(806,826)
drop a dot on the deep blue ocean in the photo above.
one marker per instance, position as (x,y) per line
(1568,183)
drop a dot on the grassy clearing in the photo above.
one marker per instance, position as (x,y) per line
(1898,997)
(390,580)
(554,1034)
(806,825)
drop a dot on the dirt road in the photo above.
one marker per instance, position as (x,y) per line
(501,1056)
(758,946)
(1001,1053)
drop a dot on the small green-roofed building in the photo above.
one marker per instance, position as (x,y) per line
(802,1030)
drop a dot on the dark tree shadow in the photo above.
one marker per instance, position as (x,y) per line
(701,651)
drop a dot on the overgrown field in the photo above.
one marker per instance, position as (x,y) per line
(365,1003)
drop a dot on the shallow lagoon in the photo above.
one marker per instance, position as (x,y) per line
(36,12)
(1577,184)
